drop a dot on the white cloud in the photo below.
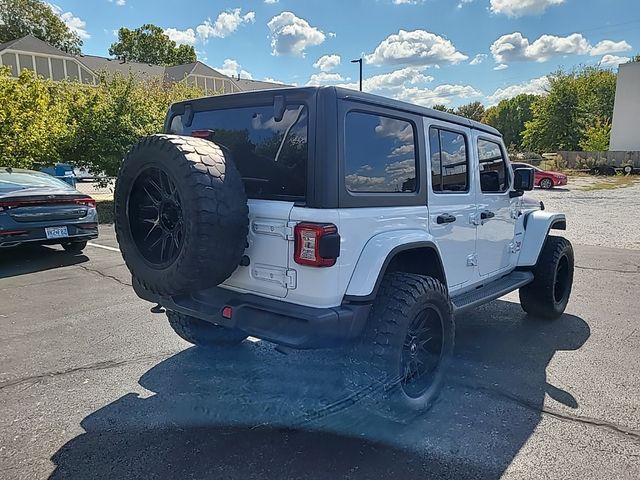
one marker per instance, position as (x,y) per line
(389,83)
(519,8)
(406,2)
(501,66)
(478,59)
(324,77)
(231,68)
(326,63)
(187,37)
(75,24)
(536,86)
(226,23)
(442,94)
(120,3)
(271,2)
(613,60)
(291,35)
(609,46)
(417,47)
(462,3)
(273,80)
(515,47)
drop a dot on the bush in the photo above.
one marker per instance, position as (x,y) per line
(44,122)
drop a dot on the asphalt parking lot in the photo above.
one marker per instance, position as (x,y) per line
(93,385)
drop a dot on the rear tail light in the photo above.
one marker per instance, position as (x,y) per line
(316,244)
(86,201)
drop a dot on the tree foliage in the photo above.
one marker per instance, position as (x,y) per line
(575,102)
(33,124)
(473,111)
(510,117)
(149,44)
(43,122)
(597,136)
(34,17)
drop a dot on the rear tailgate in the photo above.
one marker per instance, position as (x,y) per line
(270,242)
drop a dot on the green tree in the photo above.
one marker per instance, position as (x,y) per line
(596,137)
(149,44)
(474,111)
(575,102)
(510,117)
(636,58)
(33,121)
(34,17)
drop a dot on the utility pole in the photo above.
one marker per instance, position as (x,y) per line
(360,62)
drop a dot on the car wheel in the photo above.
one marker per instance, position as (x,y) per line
(74,247)
(201,333)
(406,346)
(546,183)
(627,169)
(548,295)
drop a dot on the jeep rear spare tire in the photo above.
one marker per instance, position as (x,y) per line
(181,214)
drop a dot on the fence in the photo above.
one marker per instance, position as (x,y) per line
(578,160)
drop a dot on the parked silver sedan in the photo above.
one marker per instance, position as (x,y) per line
(37,208)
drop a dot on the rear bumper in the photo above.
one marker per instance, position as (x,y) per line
(24,236)
(283,323)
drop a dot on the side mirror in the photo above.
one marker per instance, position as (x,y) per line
(523,180)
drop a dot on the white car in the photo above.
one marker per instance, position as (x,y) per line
(311,217)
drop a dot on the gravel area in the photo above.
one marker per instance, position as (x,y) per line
(604,218)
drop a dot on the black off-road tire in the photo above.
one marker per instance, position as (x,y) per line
(74,247)
(203,334)
(548,295)
(212,213)
(378,375)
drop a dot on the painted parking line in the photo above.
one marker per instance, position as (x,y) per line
(111,249)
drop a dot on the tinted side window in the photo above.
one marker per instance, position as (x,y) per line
(493,167)
(449,161)
(379,154)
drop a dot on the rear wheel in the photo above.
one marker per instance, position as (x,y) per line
(74,247)
(548,295)
(407,345)
(202,333)
(546,183)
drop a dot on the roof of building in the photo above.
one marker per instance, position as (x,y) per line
(31,44)
(99,64)
(247,85)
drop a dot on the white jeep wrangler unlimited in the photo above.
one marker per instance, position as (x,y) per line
(310,217)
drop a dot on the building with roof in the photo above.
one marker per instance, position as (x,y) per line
(626,110)
(51,63)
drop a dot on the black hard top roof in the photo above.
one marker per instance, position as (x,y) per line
(366,98)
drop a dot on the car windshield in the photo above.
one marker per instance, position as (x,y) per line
(270,154)
(21,180)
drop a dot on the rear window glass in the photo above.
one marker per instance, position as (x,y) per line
(20,180)
(270,155)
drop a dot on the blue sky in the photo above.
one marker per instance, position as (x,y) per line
(423,51)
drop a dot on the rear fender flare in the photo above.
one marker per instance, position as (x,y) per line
(376,256)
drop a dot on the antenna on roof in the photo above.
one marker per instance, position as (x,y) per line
(238,76)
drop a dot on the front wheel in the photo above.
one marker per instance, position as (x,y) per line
(203,334)
(407,344)
(546,183)
(548,295)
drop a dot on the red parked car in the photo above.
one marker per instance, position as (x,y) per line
(544,178)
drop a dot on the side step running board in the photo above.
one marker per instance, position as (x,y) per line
(491,291)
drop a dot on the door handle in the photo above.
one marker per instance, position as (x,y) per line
(445,218)
(486,214)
